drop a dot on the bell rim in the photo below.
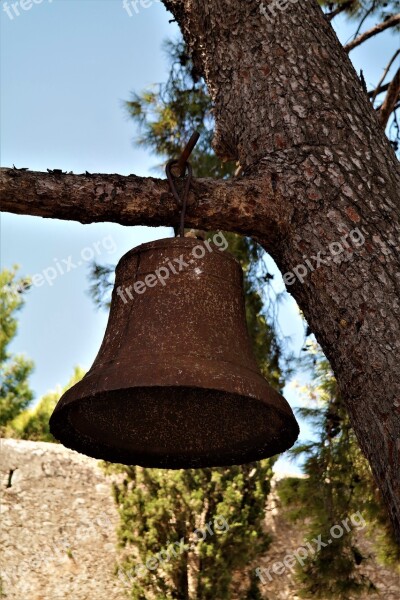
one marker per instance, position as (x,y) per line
(63,430)
(180,371)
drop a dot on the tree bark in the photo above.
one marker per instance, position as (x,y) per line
(290,108)
(133,200)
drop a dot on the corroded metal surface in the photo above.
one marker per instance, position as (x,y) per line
(175,383)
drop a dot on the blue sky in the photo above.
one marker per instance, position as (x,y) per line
(66,68)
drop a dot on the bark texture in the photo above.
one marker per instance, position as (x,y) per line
(133,200)
(316,166)
(289,106)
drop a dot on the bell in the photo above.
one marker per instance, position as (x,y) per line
(175,383)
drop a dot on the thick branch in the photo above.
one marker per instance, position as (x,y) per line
(136,200)
(391,22)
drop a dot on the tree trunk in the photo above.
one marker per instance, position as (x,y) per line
(319,191)
(290,108)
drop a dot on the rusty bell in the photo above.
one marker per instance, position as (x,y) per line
(175,383)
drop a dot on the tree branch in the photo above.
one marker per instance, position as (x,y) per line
(379,90)
(133,200)
(391,99)
(339,9)
(364,18)
(382,79)
(391,22)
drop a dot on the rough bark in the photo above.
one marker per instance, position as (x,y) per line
(132,200)
(290,108)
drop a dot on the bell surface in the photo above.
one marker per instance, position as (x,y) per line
(175,383)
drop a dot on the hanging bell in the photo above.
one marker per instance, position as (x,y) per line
(175,383)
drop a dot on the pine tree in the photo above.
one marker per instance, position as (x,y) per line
(194,529)
(338,484)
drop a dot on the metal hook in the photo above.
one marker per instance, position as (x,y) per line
(181,201)
(179,167)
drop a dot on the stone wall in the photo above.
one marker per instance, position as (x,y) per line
(58,523)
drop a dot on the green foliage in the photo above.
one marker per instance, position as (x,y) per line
(102,279)
(169,113)
(16,419)
(159,509)
(33,424)
(15,394)
(338,484)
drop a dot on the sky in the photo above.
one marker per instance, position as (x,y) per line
(66,68)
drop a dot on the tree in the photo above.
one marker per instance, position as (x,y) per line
(338,484)
(315,163)
(384,96)
(187,533)
(15,393)
(33,424)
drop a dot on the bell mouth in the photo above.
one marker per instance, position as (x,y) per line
(174,427)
